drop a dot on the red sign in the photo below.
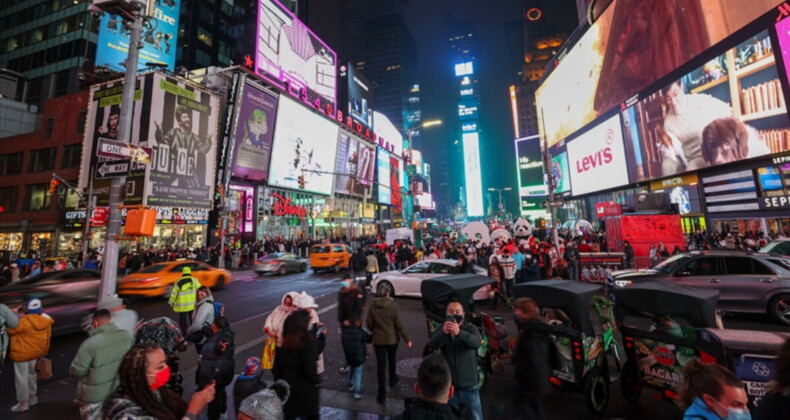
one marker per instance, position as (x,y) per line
(608,208)
(99,217)
(664,355)
(283,207)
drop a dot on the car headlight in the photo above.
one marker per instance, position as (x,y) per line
(622,283)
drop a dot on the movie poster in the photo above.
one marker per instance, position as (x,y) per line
(355,165)
(254,134)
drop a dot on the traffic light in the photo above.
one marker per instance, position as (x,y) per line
(219,192)
(53,185)
(301,181)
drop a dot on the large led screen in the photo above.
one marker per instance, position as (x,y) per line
(291,56)
(355,165)
(360,97)
(396,183)
(630,46)
(383,167)
(159,39)
(473,176)
(597,158)
(254,134)
(529,166)
(305,143)
(714,114)
(467,110)
(561,172)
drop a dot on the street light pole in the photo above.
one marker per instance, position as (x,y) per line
(499,190)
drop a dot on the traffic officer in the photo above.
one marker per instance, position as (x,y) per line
(183,297)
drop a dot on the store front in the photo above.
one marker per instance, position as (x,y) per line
(286,214)
(684,191)
(11,241)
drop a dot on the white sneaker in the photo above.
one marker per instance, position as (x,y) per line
(20,407)
(33,401)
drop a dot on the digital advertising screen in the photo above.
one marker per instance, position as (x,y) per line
(385,182)
(387,130)
(709,120)
(774,183)
(561,172)
(355,166)
(473,174)
(159,38)
(467,110)
(529,166)
(396,183)
(305,143)
(360,97)
(597,158)
(630,46)
(292,57)
(414,158)
(254,134)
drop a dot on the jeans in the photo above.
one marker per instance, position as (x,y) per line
(519,276)
(385,355)
(219,404)
(573,270)
(25,380)
(468,398)
(185,320)
(355,378)
(507,288)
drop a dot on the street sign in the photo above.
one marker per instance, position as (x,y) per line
(122,150)
(555,203)
(112,169)
(411,170)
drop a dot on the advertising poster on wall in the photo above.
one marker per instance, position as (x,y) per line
(183,138)
(292,57)
(159,38)
(709,121)
(629,47)
(305,143)
(529,166)
(360,97)
(383,166)
(355,166)
(597,158)
(254,134)
(561,172)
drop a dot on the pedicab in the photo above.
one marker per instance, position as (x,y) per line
(664,325)
(580,319)
(436,293)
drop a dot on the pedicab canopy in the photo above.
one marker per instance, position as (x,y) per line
(572,297)
(437,292)
(695,305)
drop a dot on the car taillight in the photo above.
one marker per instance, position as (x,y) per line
(148,280)
(275,261)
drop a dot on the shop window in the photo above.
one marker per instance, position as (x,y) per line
(50,126)
(11,164)
(36,197)
(42,160)
(8,199)
(72,155)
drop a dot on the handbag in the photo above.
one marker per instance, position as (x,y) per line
(43,368)
(267,358)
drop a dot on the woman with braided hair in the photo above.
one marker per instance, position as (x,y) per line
(143,396)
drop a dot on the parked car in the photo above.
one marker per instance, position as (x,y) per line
(330,257)
(280,263)
(407,282)
(777,246)
(158,279)
(67,311)
(746,281)
(75,283)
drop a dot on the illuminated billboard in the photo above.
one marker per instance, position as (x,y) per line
(529,166)
(360,97)
(159,39)
(254,134)
(396,183)
(355,165)
(305,144)
(467,110)
(292,57)
(597,158)
(629,47)
(561,172)
(464,69)
(473,175)
(387,130)
(467,91)
(469,126)
(383,167)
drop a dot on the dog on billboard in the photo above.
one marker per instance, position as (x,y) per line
(729,139)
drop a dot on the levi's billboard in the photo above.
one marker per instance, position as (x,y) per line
(597,158)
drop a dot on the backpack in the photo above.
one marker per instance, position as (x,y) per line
(219,308)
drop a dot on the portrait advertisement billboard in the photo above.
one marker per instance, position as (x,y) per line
(305,143)
(597,158)
(715,114)
(254,134)
(630,46)
(383,166)
(473,174)
(560,169)
(529,166)
(159,38)
(360,97)
(355,166)
(183,137)
(396,183)
(292,57)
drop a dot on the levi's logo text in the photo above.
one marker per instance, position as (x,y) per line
(599,158)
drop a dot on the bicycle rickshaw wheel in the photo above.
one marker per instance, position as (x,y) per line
(629,382)
(596,391)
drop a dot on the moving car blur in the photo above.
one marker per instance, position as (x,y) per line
(158,279)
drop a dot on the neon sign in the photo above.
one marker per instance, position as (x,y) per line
(283,207)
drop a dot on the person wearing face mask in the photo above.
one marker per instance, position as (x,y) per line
(458,341)
(143,395)
(711,392)
(273,325)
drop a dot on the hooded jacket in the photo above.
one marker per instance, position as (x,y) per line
(276,319)
(30,339)
(460,352)
(213,357)
(203,315)
(97,361)
(385,322)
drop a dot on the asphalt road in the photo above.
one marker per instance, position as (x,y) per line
(249,298)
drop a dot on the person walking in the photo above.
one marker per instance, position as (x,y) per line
(273,325)
(306,303)
(371,269)
(96,363)
(572,258)
(434,389)
(354,339)
(629,254)
(183,297)
(295,363)
(350,304)
(8,319)
(30,340)
(508,274)
(458,342)
(495,272)
(385,323)
(202,318)
(534,358)
(359,264)
(216,363)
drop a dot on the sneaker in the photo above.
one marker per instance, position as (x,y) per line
(357,396)
(343,369)
(350,387)
(33,401)
(20,407)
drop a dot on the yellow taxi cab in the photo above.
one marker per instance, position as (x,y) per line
(330,257)
(158,279)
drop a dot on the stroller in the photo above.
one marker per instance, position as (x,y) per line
(165,332)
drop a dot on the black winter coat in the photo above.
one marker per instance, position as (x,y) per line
(354,339)
(298,368)
(350,304)
(212,357)
(533,358)
(419,409)
(246,386)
